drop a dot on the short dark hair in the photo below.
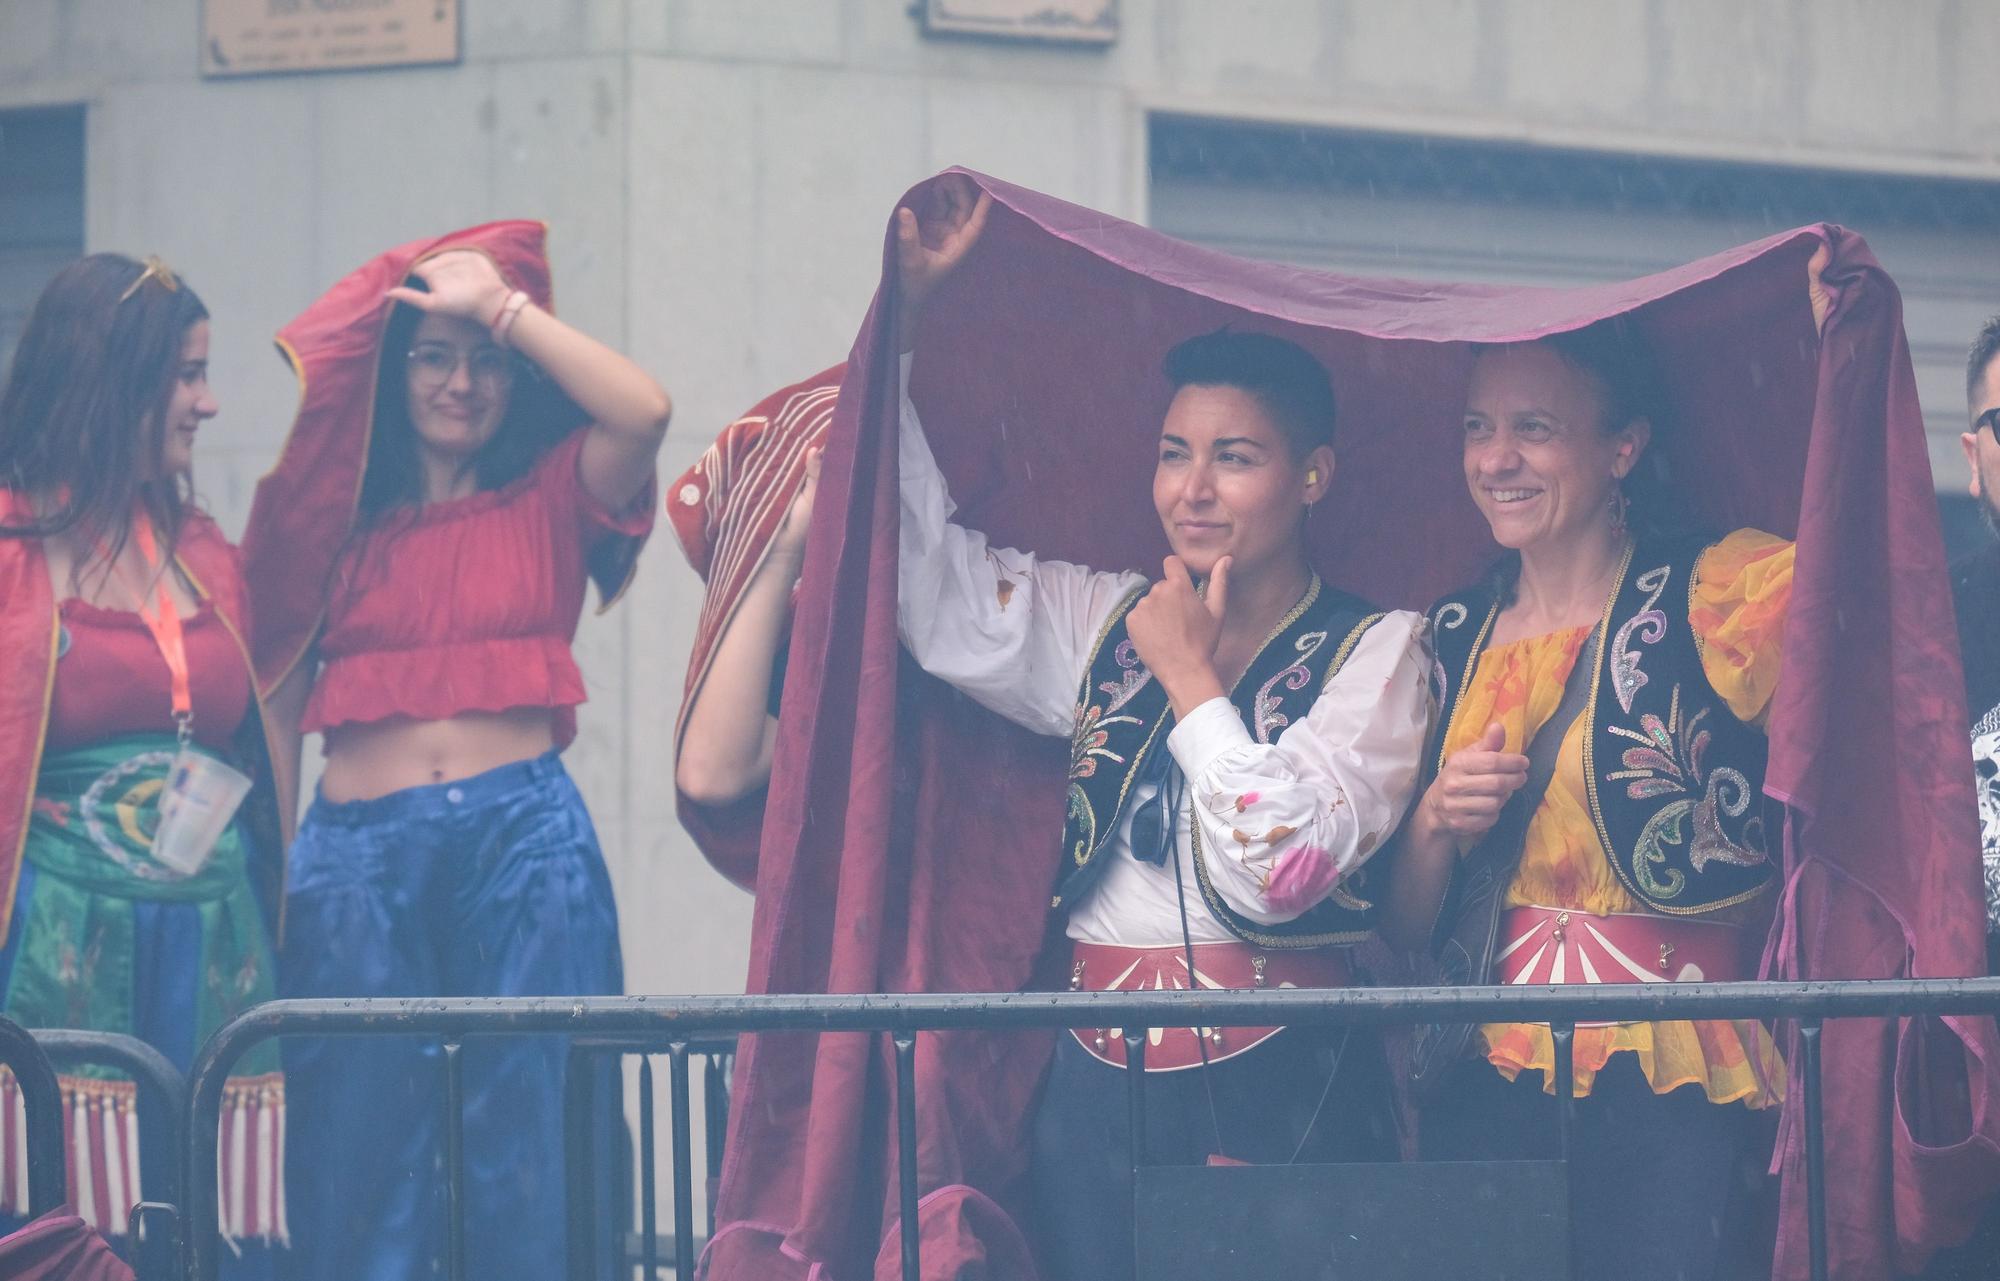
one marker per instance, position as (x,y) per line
(1984,348)
(1287,380)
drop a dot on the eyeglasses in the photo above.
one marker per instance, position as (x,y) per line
(1988,422)
(433,364)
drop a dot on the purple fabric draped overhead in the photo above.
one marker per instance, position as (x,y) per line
(59,1246)
(909,843)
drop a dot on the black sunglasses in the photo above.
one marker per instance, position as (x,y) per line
(1153,822)
(1988,421)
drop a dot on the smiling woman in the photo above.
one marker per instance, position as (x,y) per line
(1644,852)
(501,456)
(126,686)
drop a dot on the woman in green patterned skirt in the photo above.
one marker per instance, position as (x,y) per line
(132,754)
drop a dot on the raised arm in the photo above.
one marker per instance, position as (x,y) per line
(726,745)
(628,410)
(1013,632)
(1283,823)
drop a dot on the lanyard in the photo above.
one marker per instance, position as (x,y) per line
(165,625)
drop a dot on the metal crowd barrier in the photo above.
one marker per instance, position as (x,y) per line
(679,1021)
(41,1099)
(579,1108)
(152,1225)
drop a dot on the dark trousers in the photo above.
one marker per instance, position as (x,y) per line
(1269,1104)
(1653,1176)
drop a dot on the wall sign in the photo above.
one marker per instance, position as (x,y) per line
(262,37)
(1063,21)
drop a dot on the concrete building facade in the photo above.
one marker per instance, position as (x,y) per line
(718,174)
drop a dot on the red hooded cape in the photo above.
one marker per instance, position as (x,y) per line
(909,840)
(29,625)
(305,508)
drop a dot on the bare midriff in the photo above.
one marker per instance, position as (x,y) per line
(374,759)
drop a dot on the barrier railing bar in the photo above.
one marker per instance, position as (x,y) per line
(580,1183)
(715,1124)
(162,1097)
(66,1045)
(454,1161)
(714,1051)
(155,1251)
(1135,1096)
(1564,1035)
(649,1216)
(676,1017)
(1809,1076)
(1135,1110)
(684,1256)
(906,1149)
(903,1014)
(41,1103)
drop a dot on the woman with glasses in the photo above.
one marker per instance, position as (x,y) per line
(483,456)
(129,715)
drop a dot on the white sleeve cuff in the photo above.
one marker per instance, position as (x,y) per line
(1205,733)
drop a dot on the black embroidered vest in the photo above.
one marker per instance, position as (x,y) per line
(1675,780)
(1123,716)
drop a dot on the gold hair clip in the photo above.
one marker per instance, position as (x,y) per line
(155,270)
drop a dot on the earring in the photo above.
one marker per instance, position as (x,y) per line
(1618,504)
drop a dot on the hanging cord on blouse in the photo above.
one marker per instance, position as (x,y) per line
(1171,789)
(1169,801)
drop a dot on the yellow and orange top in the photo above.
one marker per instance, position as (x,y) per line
(1742,586)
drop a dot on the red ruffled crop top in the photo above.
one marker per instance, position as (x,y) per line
(469,604)
(111,679)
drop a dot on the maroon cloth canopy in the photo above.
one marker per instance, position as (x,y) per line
(59,1246)
(910,838)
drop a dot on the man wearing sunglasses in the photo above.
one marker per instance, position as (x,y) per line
(1975,585)
(1976,592)
(1243,738)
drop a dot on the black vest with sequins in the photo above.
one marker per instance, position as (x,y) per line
(1675,780)
(1123,716)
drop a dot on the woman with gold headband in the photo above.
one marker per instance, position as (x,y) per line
(462,464)
(129,735)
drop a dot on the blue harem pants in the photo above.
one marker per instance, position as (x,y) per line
(490,886)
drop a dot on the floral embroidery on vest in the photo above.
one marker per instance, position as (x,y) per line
(1650,625)
(1679,822)
(1669,761)
(1123,717)
(1267,720)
